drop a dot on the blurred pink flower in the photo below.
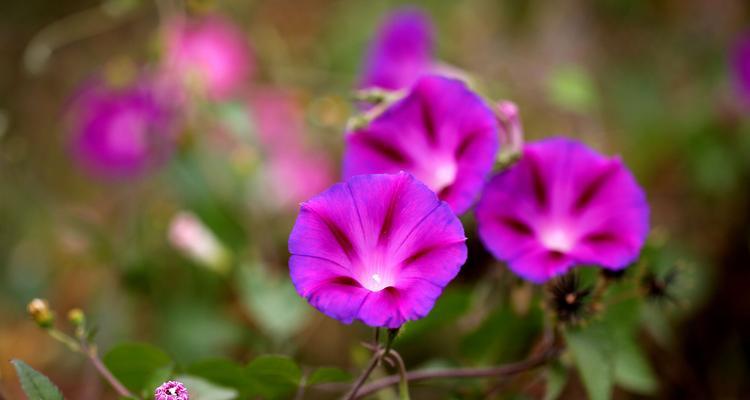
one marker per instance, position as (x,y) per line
(121,132)
(210,54)
(295,170)
(196,241)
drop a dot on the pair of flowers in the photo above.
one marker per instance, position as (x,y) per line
(381,246)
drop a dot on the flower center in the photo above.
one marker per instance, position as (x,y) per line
(443,175)
(557,239)
(172,391)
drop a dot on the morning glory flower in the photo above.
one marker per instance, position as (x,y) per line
(171,390)
(401,51)
(376,248)
(441,132)
(560,206)
(209,54)
(121,132)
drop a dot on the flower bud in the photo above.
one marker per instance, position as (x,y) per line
(190,236)
(511,132)
(40,312)
(76,317)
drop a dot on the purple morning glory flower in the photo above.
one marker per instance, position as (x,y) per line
(401,52)
(563,205)
(441,132)
(377,248)
(741,66)
(121,132)
(171,390)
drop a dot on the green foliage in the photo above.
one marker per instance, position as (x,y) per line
(592,349)
(34,384)
(571,88)
(138,365)
(328,374)
(273,377)
(272,301)
(449,307)
(556,376)
(221,372)
(201,389)
(502,336)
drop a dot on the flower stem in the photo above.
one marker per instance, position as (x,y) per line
(403,384)
(490,372)
(365,374)
(92,355)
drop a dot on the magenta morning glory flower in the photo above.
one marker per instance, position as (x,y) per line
(401,52)
(563,205)
(377,248)
(209,53)
(121,132)
(441,132)
(741,66)
(171,390)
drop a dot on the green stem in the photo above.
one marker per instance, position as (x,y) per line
(403,383)
(64,339)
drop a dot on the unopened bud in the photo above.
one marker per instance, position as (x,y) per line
(76,317)
(188,234)
(40,312)
(511,133)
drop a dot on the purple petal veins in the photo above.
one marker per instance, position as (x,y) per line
(376,248)
(441,132)
(563,205)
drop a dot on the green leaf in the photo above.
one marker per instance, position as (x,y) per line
(201,389)
(34,384)
(570,87)
(632,369)
(272,302)
(222,372)
(273,376)
(449,307)
(556,376)
(592,350)
(328,374)
(502,336)
(136,364)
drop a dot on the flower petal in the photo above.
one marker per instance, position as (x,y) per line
(402,51)
(563,204)
(441,132)
(378,248)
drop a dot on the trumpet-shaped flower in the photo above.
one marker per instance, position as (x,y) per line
(121,132)
(401,52)
(209,54)
(563,205)
(376,248)
(441,132)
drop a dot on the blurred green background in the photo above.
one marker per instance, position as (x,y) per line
(649,80)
